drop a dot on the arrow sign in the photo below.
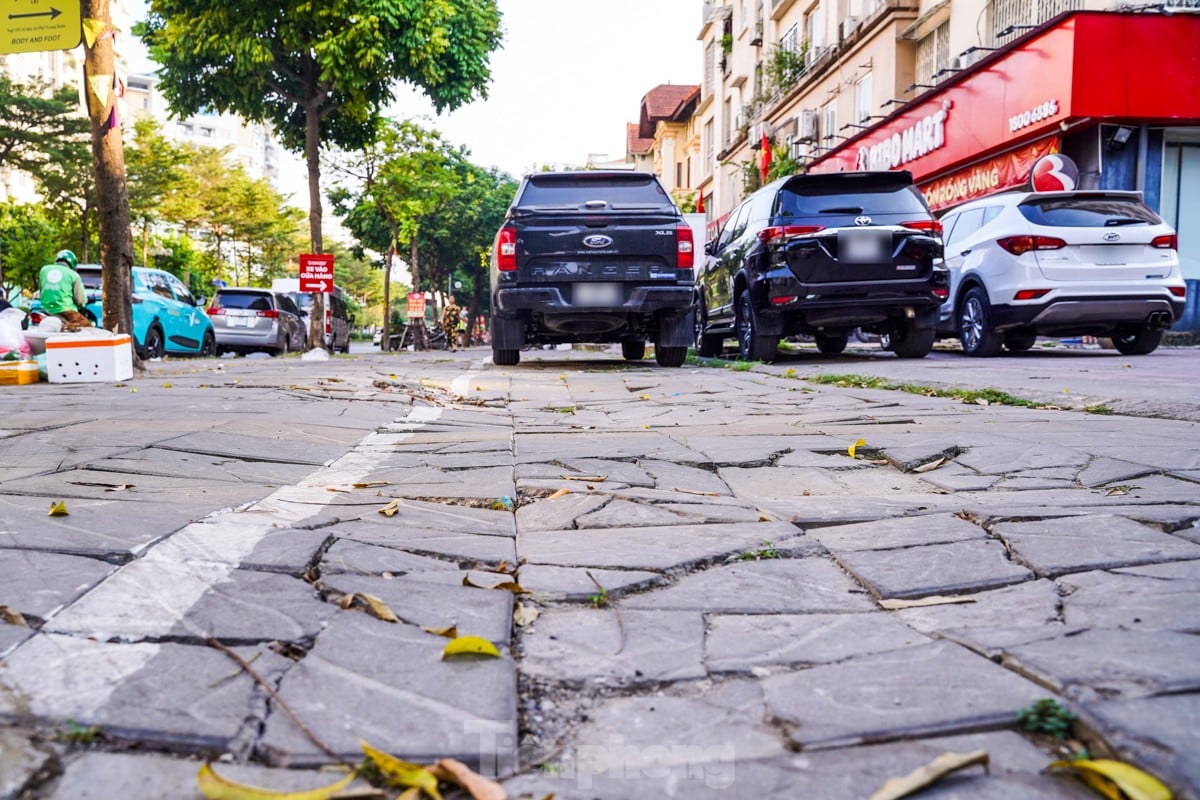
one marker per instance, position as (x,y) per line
(52,13)
(316,272)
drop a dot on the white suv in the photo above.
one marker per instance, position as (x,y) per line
(1083,263)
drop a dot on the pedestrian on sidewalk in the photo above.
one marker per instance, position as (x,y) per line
(451,318)
(61,293)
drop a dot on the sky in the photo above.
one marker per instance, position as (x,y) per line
(568,77)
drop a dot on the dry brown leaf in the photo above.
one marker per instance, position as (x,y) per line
(378,608)
(597,478)
(560,493)
(895,604)
(929,774)
(524,615)
(12,616)
(512,586)
(346,601)
(337,489)
(371,484)
(693,491)
(932,465)
(390,509)
(450,631)
(458,773)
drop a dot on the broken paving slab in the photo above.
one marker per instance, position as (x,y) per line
(286,550)
(467,549)
(954,568)
(725,449)
(818,512)
(1109,663)
(769,585)
(627,513)
(86,484)
(656,548)
(257,445)
(1149,600)
(157,461)
(573,583)
(543,447)
(1074,544)
(675,477)
(162,695)
(885,534)
(558,513)
(745,642)
(388,684)
(616,471)
(142,776)
(768,483)
(1034,604)
(595,647)
(486,483)
(361,558)
(36,584)
(1003,459)
(1156,733)
(364,505)
(12,635)
(434,604)
(21,760)
(929,689)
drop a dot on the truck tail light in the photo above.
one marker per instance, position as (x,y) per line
(1168,241)
(928,225)
(768,235)
(685,256)
(1018,245)
(506,249)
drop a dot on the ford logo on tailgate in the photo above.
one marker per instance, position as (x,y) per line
(597,240)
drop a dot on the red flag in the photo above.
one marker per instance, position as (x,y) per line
(766,155)
(700,204)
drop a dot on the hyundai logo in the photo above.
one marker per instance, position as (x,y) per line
(862,220)
(597,240)
(1112,236)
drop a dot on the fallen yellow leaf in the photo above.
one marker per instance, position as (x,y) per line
(11,615)
(854,447)
(390,509)
(645,397)
(214,787)
(471,645)
(560,493)
(369,484)
(929,774)
(1116,779)
(401,773)
(932,465)
(458,773)
(450,631)
(166,386)
(378,608)
(58,509)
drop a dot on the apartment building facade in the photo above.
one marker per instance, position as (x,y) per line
(966,94)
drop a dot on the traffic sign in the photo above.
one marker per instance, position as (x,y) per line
(27,26)
(416,305)
(316,272)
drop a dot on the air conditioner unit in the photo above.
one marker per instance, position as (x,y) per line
(806,125)
(847,27)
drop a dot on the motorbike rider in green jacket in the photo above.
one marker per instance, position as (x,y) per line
(61,291)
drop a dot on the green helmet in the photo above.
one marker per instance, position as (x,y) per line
(65,257)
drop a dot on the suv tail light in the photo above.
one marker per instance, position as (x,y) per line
(271,314)
(1017,245)
(1030,294)
(1168,241)
(506,249)
(928,225)
(768,235)
(685,256)
(215,312)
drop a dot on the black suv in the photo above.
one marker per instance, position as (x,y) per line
(593,257)
(821,255)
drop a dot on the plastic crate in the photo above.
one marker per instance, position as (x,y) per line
(13,373)
(88,357)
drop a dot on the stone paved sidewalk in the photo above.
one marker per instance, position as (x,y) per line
(722,603)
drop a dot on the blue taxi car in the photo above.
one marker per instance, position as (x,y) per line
(167,318)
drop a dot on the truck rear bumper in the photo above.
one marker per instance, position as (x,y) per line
(551,300)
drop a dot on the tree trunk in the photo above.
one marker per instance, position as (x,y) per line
(108,157)
(420,342)
(312,154)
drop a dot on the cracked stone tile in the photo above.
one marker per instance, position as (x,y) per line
(11,635)
(88,484)
(556,447)
(1110,663)
(658,548)
(253,444)
(814,460)
(929,689)
(1100,541)
(388,684)
(675,476)
(1002,459)
(743,642)
(1156,733)
(933,569)
(616,471)
(288,550)
(1102,471)
(433,604)
(164,695)
(480,548)
(811,513)
(728,450)
(586,646)
(486,483)
(779,585)
(559,513)
(1134,601)
(156,461)
(133,776)
(754,483)
(36,584)
(885,534)
(957,478)
(359,558)
(417,514)
(573,583)
(623,512)
(21,758)
(1032,603)
(698,513)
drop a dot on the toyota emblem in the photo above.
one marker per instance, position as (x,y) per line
(1112,236)
(864,220)
(597,240)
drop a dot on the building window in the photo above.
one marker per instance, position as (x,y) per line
(814,26)
(933,53)
(709,155)
(1006,13)
(679,174)
(727,120)
(828,125)
(710,56)
(791,39)
(862,99)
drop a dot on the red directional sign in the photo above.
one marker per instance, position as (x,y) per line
(316,272)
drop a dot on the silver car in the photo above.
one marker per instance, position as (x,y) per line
(248,320)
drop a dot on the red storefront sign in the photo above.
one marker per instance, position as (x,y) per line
(416,305)
(1091,66)
(316,272)
(995,174)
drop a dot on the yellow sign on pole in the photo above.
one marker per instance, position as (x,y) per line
(27,26)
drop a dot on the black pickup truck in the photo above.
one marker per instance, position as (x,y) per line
(587,257)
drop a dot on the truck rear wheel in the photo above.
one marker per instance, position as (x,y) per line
(505,358)
(670,356)
(633,349)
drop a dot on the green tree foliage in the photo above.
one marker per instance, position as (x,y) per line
(154,169)
(28,239)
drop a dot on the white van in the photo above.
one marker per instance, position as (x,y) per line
(337,316)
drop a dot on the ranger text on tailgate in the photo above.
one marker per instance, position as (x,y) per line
(593,257)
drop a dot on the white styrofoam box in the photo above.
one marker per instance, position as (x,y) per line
(89,356)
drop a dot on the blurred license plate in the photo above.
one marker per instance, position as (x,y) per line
(237,322)
(863,246)
(597,294)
